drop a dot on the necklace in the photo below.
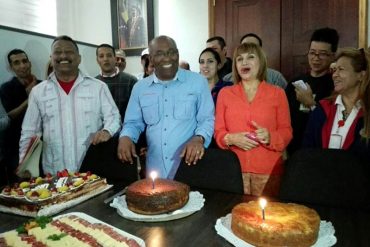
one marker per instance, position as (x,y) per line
(342,121)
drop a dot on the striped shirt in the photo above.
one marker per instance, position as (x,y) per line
(67,122)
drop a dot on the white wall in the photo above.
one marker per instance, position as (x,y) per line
(186,21)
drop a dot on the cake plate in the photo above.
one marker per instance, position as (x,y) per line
(195,203)
(326,236)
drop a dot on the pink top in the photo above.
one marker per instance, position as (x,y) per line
(268,109)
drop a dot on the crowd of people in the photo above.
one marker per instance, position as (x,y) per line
(233,103)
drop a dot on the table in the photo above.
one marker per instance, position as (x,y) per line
(352,226)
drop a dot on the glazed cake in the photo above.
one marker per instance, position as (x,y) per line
(50,195)
(68,230)
(285,224)
(166,196)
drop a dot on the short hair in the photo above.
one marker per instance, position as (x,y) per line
(219,39)
(106,46)
(250,48)
(214,53)
(66,38)
(15,52)
(162,37)
(251,35)
(327,35)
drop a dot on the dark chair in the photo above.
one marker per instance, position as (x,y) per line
(217,170)
(102,160)
(326,177)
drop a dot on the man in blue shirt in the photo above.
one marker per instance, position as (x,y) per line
(176,108)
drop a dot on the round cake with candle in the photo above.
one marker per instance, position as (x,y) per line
(156,196)
(278,224)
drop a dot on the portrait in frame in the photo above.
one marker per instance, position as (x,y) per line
(132,25)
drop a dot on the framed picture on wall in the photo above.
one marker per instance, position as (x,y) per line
(132,25)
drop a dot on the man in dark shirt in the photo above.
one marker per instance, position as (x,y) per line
(319,82)
(119,83)
(14,96)
(218,44)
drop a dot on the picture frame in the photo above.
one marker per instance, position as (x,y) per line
(132,25)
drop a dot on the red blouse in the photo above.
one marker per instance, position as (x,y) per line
(268,109)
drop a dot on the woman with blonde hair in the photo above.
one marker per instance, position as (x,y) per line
(253,120)
(342,121)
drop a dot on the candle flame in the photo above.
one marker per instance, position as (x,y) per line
(153,175)
(263,203)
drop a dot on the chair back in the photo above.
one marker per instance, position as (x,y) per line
(102,160)
(217,170)
(328,177)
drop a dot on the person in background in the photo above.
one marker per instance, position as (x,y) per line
(209,63)
(4,123)
(218,44)
(14,97)
(120,59)
(184,65)
(273,76)
(49,69)
(176,108)
(69,110)
(252,120)
(342,121)
(148,67)
(144,56)
(319,83)
(119,83)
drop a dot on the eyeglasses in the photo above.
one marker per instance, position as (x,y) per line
(320,55)
(170,53)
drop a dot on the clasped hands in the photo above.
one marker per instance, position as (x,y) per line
(192,152)
(244,142)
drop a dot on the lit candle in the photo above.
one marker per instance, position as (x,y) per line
(153,175)
(263,203)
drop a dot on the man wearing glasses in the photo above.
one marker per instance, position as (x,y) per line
(315,85)
(176,109)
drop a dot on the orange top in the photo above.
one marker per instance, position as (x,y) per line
(268,109)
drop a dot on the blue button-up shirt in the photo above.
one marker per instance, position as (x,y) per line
(173,112)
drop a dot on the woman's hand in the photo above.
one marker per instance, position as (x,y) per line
(263,135)
(240,140)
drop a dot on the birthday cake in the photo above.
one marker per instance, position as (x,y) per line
(162,196)
(50,194)
(285,224)
(67,230)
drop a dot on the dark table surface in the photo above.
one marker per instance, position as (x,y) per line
(352,226)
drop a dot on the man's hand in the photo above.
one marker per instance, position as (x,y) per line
(30,85)
(305,96)
(193,150)
(100,136)
(126,150)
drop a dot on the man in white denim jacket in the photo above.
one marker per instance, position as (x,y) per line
(69,110)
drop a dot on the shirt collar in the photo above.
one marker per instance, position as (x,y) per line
(111,75)
(339,102)
(180,76)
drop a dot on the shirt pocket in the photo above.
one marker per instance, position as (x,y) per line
(88,106)
(49,115)
(150,109)
(185,107)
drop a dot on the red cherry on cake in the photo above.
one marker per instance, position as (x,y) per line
(65,173)
(7,190)
(88,173)
(20,192)
(77,174)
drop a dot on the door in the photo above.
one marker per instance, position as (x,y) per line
(234,18)
(285,26)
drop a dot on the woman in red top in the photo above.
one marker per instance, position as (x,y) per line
(253,120)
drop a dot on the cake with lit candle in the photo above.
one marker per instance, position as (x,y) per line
(285,224)
(150,197)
